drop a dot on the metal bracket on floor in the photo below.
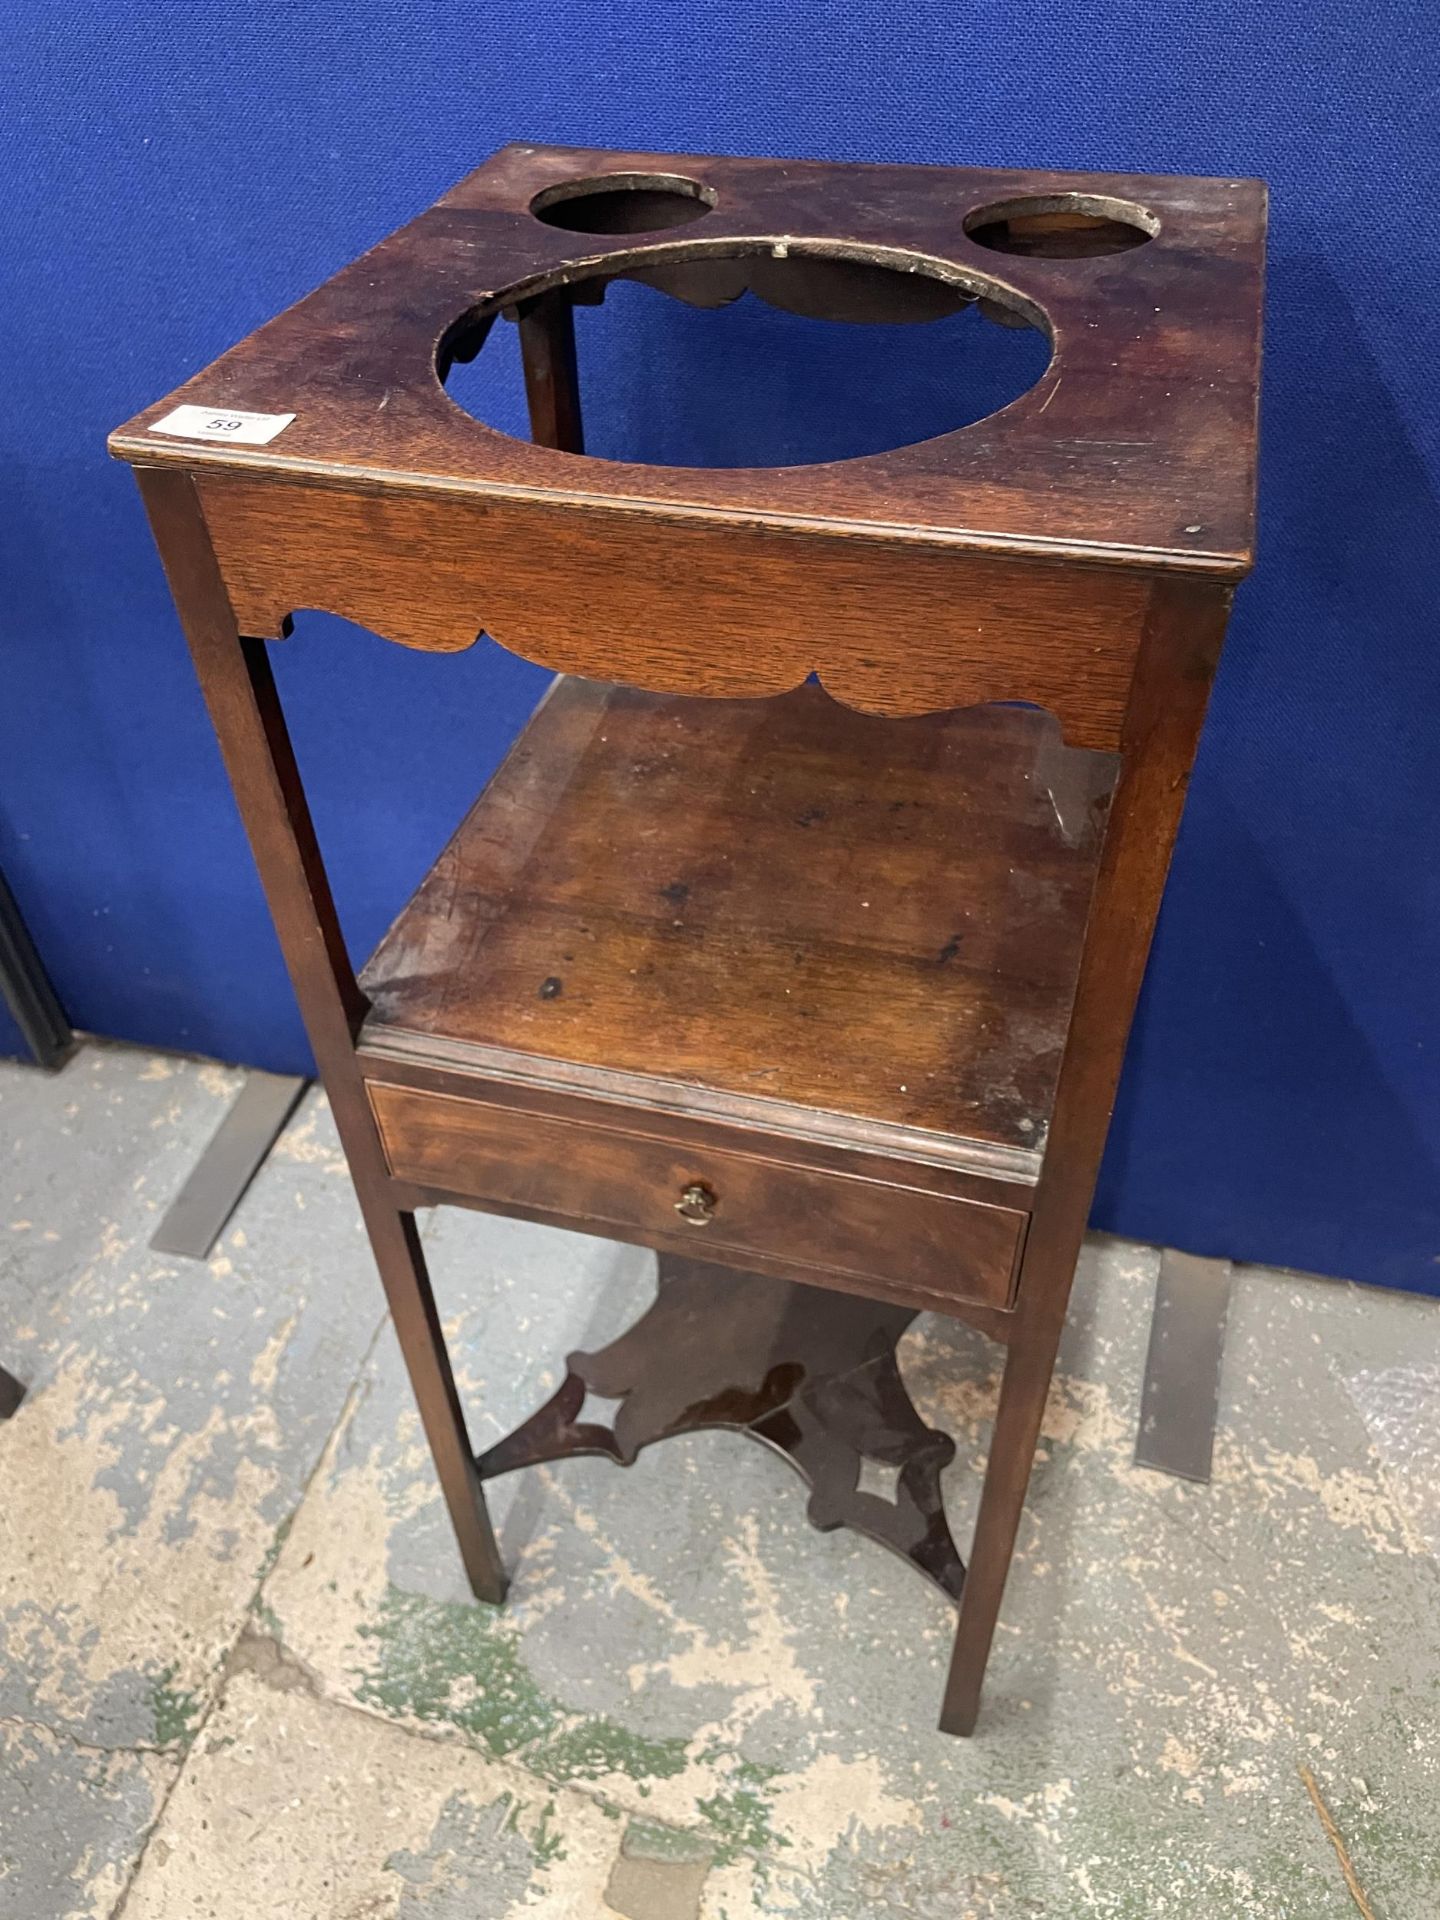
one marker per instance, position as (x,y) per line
(196,1217)
(27,990)
(1181,1398)
(11,1393)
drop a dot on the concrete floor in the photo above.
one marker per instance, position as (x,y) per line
(240,1673)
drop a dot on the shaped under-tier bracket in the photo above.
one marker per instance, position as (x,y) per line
(812,1374)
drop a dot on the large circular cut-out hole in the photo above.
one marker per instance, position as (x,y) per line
(623,203)
(758,356)
(1062,226)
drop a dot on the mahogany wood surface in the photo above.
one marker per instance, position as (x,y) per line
(608,1180)
(683,608)
(838,995)
(1136,446)
(781,900)
(678,608)
(552,381)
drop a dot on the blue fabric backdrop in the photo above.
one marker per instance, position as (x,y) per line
(174,173)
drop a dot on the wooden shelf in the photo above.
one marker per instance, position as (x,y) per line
(736,907)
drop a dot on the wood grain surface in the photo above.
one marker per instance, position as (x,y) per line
(686,608)
(778,899)
(1137,445)
(607,1180)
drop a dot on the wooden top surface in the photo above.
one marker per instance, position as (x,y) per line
(1136,446)
(773,912)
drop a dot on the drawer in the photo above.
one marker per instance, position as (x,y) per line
(714,1202)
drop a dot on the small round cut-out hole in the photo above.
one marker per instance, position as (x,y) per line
(623,203)
(1062,226)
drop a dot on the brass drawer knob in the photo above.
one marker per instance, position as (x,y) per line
(696,1205)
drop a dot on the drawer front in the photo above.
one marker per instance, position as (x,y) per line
(715,1202)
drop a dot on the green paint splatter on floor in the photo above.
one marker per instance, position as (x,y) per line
(272,1552)
(175,1712)
(596,1748)
(458,1665)
(546,1840)
(454,1665)
(739,1813)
